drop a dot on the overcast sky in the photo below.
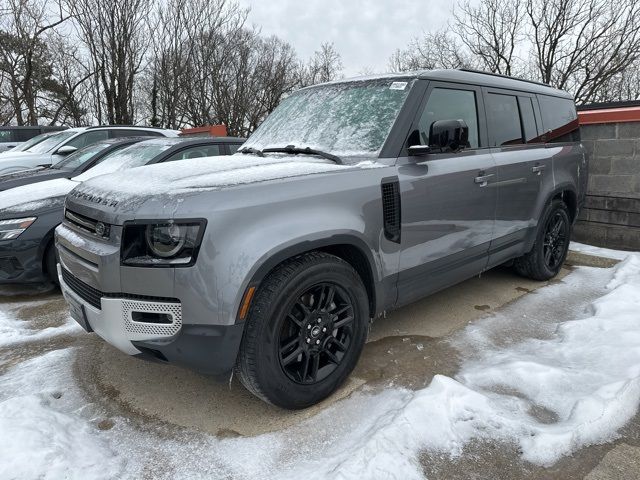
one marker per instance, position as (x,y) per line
(365,32)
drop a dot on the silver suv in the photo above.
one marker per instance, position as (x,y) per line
(55,147)
(351,199)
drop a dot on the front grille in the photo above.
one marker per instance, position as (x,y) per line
(86,292)
(89,225)
(92,295)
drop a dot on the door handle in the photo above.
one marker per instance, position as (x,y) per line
(483,179)
(538,169)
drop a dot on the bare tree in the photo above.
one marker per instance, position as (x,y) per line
(440,49)
(491,30)
(116,36)
(324,66)
(23,52)
(590,48)
(582,45)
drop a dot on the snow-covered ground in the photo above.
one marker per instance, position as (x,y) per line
(557,370)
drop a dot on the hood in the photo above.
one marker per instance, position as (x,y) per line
(209,173)
(9,155)
(28,198)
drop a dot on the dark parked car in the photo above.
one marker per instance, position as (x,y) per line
(11,137)
(351,199)
(30,213)
(73,165)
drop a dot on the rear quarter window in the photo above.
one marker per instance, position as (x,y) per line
(559,119)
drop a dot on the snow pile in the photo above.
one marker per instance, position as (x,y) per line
(597,251)
(14,331)
(41,441)
(35,195)
(580,367)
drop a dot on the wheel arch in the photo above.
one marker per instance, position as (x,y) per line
(349,248)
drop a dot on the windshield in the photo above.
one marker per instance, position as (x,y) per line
(77,159)
(51,142)
(352,118)
(30,143)
(133,156)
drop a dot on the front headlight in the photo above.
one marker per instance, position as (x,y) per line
(12,228)
(163,244)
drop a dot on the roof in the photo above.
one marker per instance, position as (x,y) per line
(470,77)
(44,128)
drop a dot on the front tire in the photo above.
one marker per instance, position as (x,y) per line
(549,252)
(305,331)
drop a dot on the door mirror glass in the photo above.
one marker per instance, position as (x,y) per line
(449,135)
(66,150)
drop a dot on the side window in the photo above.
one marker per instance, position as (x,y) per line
(195,152)
(450,104)
(504,120)
(119,133)
(529,124)
(233,147)
(88,138)
(559,119)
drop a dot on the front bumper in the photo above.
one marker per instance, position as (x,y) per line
(130,323)
(21,261)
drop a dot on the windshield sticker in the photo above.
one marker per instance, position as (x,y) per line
(398,85)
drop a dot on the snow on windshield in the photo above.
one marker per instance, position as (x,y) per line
(349,119)
(133,156)
(35,195)
(48,144)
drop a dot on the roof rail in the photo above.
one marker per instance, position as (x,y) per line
(471,70)
(125,126)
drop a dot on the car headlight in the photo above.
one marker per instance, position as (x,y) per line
(12,228)
(163,244)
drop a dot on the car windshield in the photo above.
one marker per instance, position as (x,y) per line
(51,142)
(134,156)
(79,158)
(30,143)
(346,119)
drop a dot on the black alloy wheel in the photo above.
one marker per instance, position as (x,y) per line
(316,333)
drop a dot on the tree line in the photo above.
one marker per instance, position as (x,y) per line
(182,63)
(590,48)
(172,64)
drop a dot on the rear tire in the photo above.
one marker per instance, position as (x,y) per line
(305,331)
(549,251)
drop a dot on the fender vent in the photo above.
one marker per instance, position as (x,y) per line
(391,209)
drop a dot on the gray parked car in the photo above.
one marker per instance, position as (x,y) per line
(351,199)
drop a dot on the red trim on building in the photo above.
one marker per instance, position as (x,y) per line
(609,115)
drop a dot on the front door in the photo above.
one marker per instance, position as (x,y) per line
(447,199)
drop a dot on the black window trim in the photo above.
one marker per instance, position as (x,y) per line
(536,110)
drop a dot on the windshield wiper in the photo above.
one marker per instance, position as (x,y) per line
(293,150)
(255,151)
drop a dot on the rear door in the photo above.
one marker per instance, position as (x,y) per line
(514,129)
(447,201)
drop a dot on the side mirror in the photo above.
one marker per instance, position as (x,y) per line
(66,150)
(449,135)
